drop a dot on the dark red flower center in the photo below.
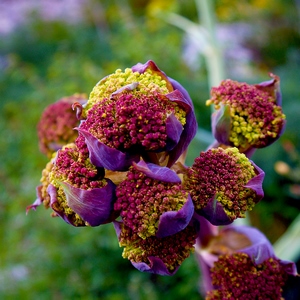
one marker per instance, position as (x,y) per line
(237,277)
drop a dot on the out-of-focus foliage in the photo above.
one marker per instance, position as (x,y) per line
(42,257)
(275,22)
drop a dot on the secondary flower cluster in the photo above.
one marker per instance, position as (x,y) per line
(55,128)
(238,262)
(120,159)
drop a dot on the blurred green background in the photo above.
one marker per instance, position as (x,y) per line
(51,49)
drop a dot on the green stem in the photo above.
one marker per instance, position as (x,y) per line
(288,245)
(214,57)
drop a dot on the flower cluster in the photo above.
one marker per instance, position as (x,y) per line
(124,164)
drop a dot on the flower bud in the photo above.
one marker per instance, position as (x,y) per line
(152,202)
(224,184)
(76,190)
(247,116)
(134,112)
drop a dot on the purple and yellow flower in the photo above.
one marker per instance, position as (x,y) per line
(247,116)
(240,263)
(152,201)
(57,123)
(224,184)
(137,113)
(236,274)
(161,256)
(75,189)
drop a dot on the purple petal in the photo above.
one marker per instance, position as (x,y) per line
(177,86)
(214,212)
(205,264)
(289,267)
(142,68)
(38,200)
(272,87)
(117,227)
(190,128)
(94,206)
(106,157)
(221,124)
(157,172)
(261,249)
(174,130)
(207,229)
(172,222)
(172,84)
(156,266)
(52,191)
(255,183)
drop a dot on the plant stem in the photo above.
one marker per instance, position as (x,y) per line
(214,57)
(288,245)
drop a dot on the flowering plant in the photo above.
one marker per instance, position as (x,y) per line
(124,163)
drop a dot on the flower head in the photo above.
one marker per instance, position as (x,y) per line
(134,112)
(236,276)
(224,184)
(156,255)
(152,202)
(76,190)
(242,265)
(56,126)
(247,116)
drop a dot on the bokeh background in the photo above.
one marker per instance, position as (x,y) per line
(50,49)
